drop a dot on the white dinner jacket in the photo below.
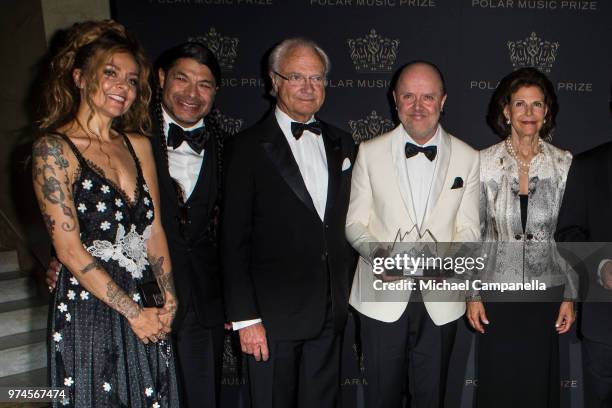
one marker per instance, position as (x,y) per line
(381,206)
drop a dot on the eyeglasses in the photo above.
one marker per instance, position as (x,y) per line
(299,79)
(536,106)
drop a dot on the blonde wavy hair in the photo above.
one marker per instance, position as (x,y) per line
(89,46)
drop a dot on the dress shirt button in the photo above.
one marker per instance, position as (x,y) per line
(529,236)
(518,236)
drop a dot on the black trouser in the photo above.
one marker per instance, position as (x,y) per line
(200,358)
(597,372)
(299,373)
(410,354)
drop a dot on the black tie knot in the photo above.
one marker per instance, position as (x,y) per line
(428,151)
(298,128)
(196,138)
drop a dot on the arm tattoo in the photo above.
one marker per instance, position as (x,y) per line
(91,266)
(164,279)
(120,301)
(171,307)
(48,156)
(157,265)
(50,223)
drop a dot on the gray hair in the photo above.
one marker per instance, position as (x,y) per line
(279,52)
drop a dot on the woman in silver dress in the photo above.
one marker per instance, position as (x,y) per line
(522,180)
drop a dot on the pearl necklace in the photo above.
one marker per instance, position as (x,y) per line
(523,167)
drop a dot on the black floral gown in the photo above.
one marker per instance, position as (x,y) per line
(93,352)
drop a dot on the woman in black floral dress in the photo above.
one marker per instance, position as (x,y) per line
(95,181)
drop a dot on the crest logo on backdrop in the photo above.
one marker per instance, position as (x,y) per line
(536,52)
(232,371)
(369,127)
(228,124)
(533,52)
(373,53)
(224,48)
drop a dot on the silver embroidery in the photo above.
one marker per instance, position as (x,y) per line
(516,255)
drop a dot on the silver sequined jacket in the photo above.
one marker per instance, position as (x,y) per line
(514,255)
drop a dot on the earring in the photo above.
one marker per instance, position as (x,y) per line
(507,121)
(544,120)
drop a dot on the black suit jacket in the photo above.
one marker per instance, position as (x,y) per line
(281,262)
(193,247)
(586,216)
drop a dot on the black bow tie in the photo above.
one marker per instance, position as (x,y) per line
(298,128)
(196,139)
(429,151)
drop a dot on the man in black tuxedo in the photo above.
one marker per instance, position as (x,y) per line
(586,216)
(287,265)
(187,150)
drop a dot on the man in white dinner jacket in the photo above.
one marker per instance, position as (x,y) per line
(415,183)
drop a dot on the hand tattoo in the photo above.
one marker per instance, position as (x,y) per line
(120,301)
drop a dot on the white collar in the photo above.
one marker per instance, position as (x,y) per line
(434,141)
(284,120)
(168,120)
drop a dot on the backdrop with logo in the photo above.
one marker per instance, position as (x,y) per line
(474,42)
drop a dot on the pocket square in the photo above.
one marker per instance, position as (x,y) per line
(346,164)
(458,183)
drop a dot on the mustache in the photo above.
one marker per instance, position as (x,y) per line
(190,100)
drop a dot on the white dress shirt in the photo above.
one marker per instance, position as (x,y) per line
(421,174)
(309,153)
(184,163)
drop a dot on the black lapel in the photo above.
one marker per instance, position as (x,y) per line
(333,151)
(276,147)
(206,183)
(163,172)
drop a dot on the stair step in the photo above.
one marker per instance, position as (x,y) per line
(34,378)
(23,320)
(11,275)
(23,352)
(21,304)
(17,289)
(9,261)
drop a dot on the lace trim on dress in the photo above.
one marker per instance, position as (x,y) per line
(129,250)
